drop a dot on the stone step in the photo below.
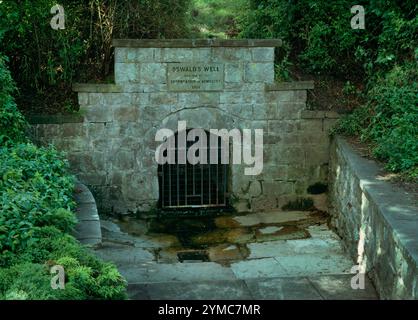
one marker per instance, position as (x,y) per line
(328,287)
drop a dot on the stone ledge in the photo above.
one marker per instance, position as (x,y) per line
(194,43)
(397,213)
(87,230)
(54,119)
(319,114)
(287,86)
(97,88)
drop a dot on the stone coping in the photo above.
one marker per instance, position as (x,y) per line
(114,88)
(97,87)
(54,119)
(195,43)
(397,207)
(87,230)
(292,85)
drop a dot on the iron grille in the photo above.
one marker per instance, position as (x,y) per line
(193,186)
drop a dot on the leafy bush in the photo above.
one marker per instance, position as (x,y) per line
(45,62)
(12,123)
(36,203)
(320,40)
(319,34)
(389,120)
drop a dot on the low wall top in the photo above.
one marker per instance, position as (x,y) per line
(195,43)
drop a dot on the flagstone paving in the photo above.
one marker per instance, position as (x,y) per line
(241,257)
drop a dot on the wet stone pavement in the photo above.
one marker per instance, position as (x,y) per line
(269,255)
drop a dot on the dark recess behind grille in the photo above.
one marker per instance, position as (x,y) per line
(193,186)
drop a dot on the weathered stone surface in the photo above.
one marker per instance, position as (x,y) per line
(197,271)
(259,72)
(338,287)
(262,54)
(282,289)
(126,72)
(224,252)
(196,290)
(114,146)
(87,230)
(153,73)
(271,217)
(376,220)
(258,268)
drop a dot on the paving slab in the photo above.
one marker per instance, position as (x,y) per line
(198,271)
(292,247)
(109,226)
(309,264)
(338,287)
(196,290)
(138,273)
(282,289)
(271,217)
(125,255)
(258,268)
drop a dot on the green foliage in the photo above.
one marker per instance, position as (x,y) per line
(319,33)
(215,18)
(33,281)
(320,39)
(35,192)
(36,202)
(45,62)
(389,120)
(12,123)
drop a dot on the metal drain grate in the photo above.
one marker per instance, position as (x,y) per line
(193,256)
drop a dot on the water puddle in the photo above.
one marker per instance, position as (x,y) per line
(221,239)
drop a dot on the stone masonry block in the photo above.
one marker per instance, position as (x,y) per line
(153,73)
(231,54)
(158,98)
(262,54)
(312,126)
(125,113)
(120,55)
(264,111)
(279,127)
(110,99)
(198,98)
(97,113)
(127,73)
(202,54)
(123,160)
(277,188)
(71,130)
(259,72)
(234,72)
(242,97)
(176,55)
(139,55)
(289,110)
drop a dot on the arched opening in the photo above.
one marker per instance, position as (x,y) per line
(194,185)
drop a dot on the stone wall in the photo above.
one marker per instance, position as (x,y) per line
(377,221)
(111,148)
